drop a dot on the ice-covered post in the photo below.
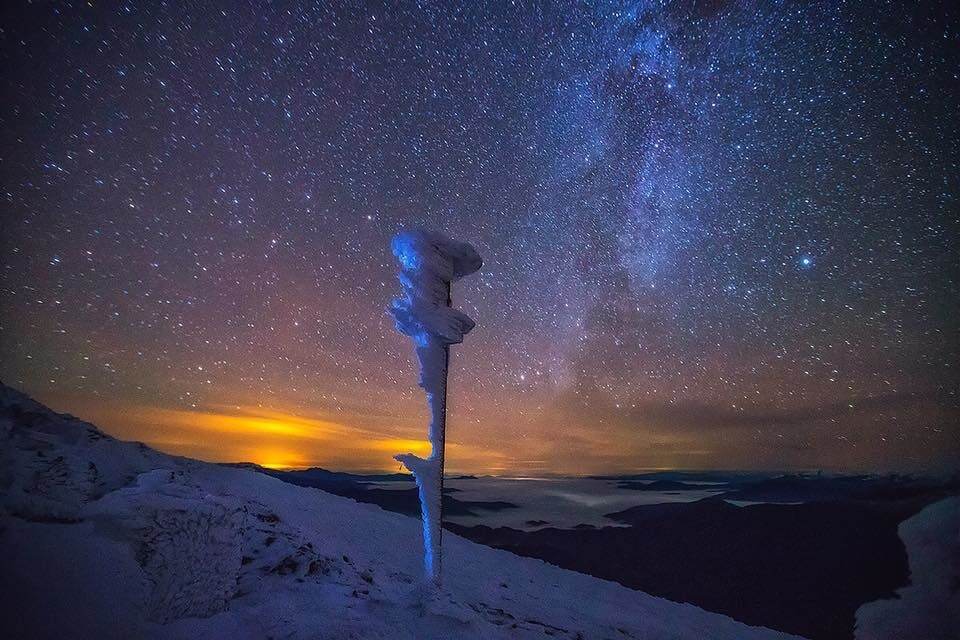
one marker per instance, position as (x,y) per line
(429,262)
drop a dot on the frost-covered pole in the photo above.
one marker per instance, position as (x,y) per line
(429,262)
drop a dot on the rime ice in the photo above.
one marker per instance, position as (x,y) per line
(429,262)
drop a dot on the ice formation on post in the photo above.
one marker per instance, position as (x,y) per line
(429,262)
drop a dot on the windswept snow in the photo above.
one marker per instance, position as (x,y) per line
(108,539)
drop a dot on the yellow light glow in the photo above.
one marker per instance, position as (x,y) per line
(280,440)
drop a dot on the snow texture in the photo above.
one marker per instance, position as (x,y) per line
(929,608)
(429,262)
(107,539)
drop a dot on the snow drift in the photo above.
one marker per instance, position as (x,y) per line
(110,539)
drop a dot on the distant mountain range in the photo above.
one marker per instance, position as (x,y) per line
(358,487)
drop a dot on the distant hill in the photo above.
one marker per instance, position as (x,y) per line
(404,501)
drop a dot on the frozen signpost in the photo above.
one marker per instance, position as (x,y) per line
(429,262)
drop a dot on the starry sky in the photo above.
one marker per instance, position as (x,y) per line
(716,235)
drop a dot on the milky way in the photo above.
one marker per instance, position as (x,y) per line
(715,235)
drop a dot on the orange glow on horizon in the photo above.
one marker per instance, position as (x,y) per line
(277,440)
(484,440)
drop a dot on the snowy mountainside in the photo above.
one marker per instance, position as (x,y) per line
(111,539)
(929,607)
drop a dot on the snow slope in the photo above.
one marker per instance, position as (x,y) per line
(929,608)
(110,539)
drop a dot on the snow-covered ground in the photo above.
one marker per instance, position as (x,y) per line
(110,539)
(929,608)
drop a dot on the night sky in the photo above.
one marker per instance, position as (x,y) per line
(715,235)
